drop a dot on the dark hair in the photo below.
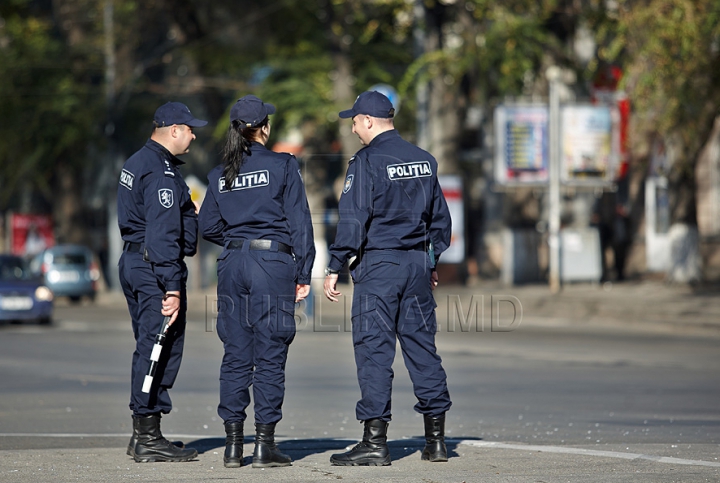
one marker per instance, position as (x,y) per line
(237,147)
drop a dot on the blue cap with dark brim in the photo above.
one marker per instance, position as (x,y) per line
(251,111)
(370,103)
(176,113)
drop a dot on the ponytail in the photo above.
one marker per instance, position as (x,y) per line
(237,147)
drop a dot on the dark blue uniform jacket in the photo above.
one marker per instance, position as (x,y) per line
(155,210)
(266,201)
(391,199)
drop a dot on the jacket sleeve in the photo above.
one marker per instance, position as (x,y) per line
(164,230)
(355,210)
(211,222)
(440,223)
(190,227)
(297,213)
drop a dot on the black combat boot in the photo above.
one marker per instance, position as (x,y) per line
(266,454)
(371,451)
(133,440)
(151,446)
(435,449)
(233,457)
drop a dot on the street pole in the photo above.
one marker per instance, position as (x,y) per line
(553,76)
(114,242)
(422,92)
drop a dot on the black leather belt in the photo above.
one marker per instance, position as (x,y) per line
(259,245)
(133,247)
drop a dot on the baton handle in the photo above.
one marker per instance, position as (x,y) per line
(155,356)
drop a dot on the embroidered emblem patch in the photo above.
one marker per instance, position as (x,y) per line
(348,183)
(417,169)
(244,181)
(166,197)
(126,179)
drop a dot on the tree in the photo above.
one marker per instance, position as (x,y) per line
(670,51)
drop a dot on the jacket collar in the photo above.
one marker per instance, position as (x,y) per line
(384,136)
(160,149)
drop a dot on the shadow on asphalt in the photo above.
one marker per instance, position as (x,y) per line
(300,448)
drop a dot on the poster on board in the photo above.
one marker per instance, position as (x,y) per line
(30,234)
(587,144)
(522,144)
(451,186)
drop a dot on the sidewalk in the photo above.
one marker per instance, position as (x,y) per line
(650,306)
(639,306)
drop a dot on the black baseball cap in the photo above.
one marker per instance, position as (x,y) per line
(176,113)
(251,111)
(371,103)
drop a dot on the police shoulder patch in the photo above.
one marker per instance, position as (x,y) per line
(127,179)
(166,197)
(348,183)
(415,169)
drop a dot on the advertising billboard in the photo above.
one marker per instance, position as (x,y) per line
(587,144)
(522,145)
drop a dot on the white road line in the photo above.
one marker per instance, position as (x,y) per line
(478,444)
(590,452)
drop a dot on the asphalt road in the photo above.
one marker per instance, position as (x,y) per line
(66,386)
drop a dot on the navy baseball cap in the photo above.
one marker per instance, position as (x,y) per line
(176,113)
(251,111)
(371,103)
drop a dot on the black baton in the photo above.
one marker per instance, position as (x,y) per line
(155,356)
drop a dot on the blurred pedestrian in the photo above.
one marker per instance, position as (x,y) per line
(256,209)
(158,224)
(394,224)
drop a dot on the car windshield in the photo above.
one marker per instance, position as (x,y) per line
(13,269)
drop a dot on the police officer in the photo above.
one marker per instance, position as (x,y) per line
(158,223)
(255,208)
(391,212)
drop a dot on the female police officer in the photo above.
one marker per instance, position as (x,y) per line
(255,207)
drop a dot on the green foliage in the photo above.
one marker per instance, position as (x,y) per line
(670,50)
(47,113)
(497,43)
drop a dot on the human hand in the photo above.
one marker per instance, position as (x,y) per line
(171,306)
(301,291)
(330,287)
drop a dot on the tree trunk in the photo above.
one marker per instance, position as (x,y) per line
(67,209)
(443,122)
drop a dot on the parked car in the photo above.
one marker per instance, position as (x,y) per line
(23,296)
(69,271)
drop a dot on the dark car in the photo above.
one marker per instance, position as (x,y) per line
(69,271)
(23,296)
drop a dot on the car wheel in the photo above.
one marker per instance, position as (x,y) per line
(75,299)
(45,321)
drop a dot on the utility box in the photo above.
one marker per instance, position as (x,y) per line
(580,258)
(520,256)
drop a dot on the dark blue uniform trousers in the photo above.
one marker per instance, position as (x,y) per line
(393,299)
(256,323)
(144,298)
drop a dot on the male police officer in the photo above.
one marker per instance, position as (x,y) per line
(158,224)
(391,211)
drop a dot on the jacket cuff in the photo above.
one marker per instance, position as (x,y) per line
(173,286)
